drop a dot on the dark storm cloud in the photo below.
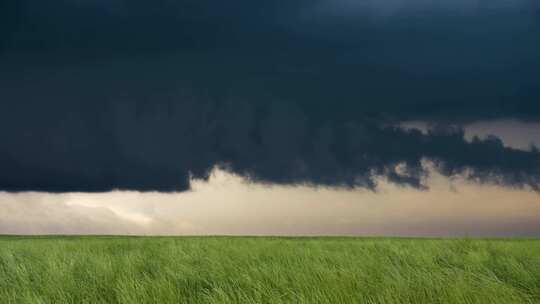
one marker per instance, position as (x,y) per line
(412,59)
(134,144)
(97,95)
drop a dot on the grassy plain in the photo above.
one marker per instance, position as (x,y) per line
(268,270)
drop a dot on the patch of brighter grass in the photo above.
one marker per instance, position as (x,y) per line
(267,270)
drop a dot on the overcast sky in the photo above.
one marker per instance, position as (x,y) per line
(131,101)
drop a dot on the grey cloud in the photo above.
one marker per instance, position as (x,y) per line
(131,95)
(517,134)
(159,145)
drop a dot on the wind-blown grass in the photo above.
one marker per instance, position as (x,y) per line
(267,270)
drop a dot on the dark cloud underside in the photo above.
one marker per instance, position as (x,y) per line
(97,95)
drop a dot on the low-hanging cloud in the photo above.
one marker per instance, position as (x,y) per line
(103,95)
(160,145)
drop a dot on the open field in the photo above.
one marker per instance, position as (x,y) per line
(267,270)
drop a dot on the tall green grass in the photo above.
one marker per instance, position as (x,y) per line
(267,270)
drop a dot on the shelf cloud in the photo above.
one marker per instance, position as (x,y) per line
(103,95)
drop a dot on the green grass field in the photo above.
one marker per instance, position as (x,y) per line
(267,270)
